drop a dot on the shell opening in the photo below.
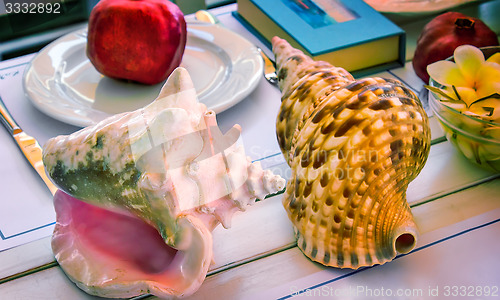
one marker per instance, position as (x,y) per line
(113,233)
(405,243)
(102,249)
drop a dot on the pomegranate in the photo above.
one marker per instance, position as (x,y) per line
(137,40)
(446,32)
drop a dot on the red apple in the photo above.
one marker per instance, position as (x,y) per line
(138,40)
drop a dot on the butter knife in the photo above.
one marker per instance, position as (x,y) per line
(269,64)
(28,145)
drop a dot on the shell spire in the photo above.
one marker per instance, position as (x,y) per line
(151,183)
(303,82)
(353,147)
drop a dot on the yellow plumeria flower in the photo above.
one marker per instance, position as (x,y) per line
(471,81)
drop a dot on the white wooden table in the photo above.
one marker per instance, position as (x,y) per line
(456,206)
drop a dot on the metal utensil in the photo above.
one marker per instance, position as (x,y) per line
(206,16)
(28,145)
(269,68)
(269,64)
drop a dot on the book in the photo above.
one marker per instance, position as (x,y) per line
(345,33)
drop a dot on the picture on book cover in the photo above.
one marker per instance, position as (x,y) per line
(320,13)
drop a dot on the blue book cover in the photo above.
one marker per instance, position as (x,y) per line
(346,33)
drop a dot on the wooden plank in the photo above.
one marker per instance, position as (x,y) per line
(407,75)
(445,172)
(458,207)
(439,265)
(290,265)
(25,258)
(48,284)
(280,268)
(265,222)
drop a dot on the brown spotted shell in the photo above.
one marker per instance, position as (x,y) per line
(353,147)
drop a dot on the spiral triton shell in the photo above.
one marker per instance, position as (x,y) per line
(140,193)
(353,147)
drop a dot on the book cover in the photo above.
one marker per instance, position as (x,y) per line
(346,33)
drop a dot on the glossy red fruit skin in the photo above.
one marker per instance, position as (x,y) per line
(443,34)
(137,40)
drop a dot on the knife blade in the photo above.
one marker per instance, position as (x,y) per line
(27,144)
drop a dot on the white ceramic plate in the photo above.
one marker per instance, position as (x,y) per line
(414,6)
(61,82)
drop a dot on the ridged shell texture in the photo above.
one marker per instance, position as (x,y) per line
(353,147)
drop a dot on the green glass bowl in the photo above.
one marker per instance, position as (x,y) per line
(475,138)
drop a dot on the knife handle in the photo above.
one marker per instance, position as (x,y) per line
(7,119)
(206,16)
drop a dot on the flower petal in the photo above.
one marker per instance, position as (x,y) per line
(488,79)
(446,73)
(468,59)
(493,132)
(467,95)
(488,109)
(495,58)
(466,145)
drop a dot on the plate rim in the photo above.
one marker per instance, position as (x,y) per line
(386,9)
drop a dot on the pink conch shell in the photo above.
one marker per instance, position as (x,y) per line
(151,186)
